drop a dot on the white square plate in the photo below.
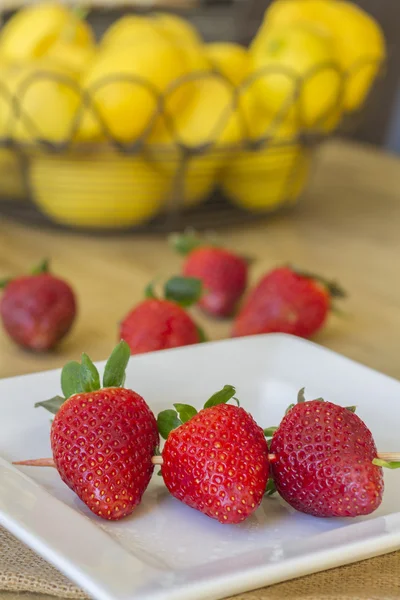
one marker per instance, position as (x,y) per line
(165,550)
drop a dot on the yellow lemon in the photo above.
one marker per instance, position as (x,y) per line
(208,124)
(232,60)
(129,30)
(297,74)
(125,84)
(97,191)
(358,39)
(265,178)
(178,30)
(73,57)
(32,30)
(47,102)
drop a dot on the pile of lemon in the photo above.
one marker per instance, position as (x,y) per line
(181,114)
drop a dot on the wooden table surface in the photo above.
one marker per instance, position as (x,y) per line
(347,227)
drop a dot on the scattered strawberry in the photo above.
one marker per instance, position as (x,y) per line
(324,461)
(287,301)
(37,310)
(102,439)
(215,461)
(223,273)
(157,324)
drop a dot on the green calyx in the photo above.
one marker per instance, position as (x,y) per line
(184,243)
(184,291)
(334,289)
(171,419)
(42,267)
(83,377)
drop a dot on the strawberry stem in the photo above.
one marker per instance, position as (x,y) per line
(42,267)
(36,462)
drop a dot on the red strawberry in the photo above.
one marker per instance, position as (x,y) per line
(223,273)
(37,310)
(157,324)
(287,301)
(103,440)
(215,461)
(322,461)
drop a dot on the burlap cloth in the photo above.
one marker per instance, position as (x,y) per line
(377,579)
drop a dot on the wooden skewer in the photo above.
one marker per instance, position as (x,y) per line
(158,460)
(389,456)
(37,462)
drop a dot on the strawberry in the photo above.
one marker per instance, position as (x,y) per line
(37,310)
(215,461)
(223,273)
(157,324)
(324,461)
(102,439)
(287,301)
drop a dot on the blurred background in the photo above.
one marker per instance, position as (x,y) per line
(104,171)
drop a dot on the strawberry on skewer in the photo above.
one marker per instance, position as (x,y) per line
(215,460)
(103,438)
(324,461)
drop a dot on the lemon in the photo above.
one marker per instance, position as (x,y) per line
(230,59)
(73,57)
(178,30)
(265,178)
(47,101)
(297,73)
(358,39)
(97,191)
(125,84)
(32,30)
(129,30)
(208,125)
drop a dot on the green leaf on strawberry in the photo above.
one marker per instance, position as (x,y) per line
(185,291)
(270,489)
(269,432)
(222,397)
(43,267)
(114,372)
(90,377)
(149,291)
(185,412)
(71,382)
(167,421)
(185,243)
(79,378)
(386,464)
(202,336)
(53,405)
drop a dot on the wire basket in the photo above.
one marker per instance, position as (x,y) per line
(150,174)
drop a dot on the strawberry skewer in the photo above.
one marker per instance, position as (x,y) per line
(102,437)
